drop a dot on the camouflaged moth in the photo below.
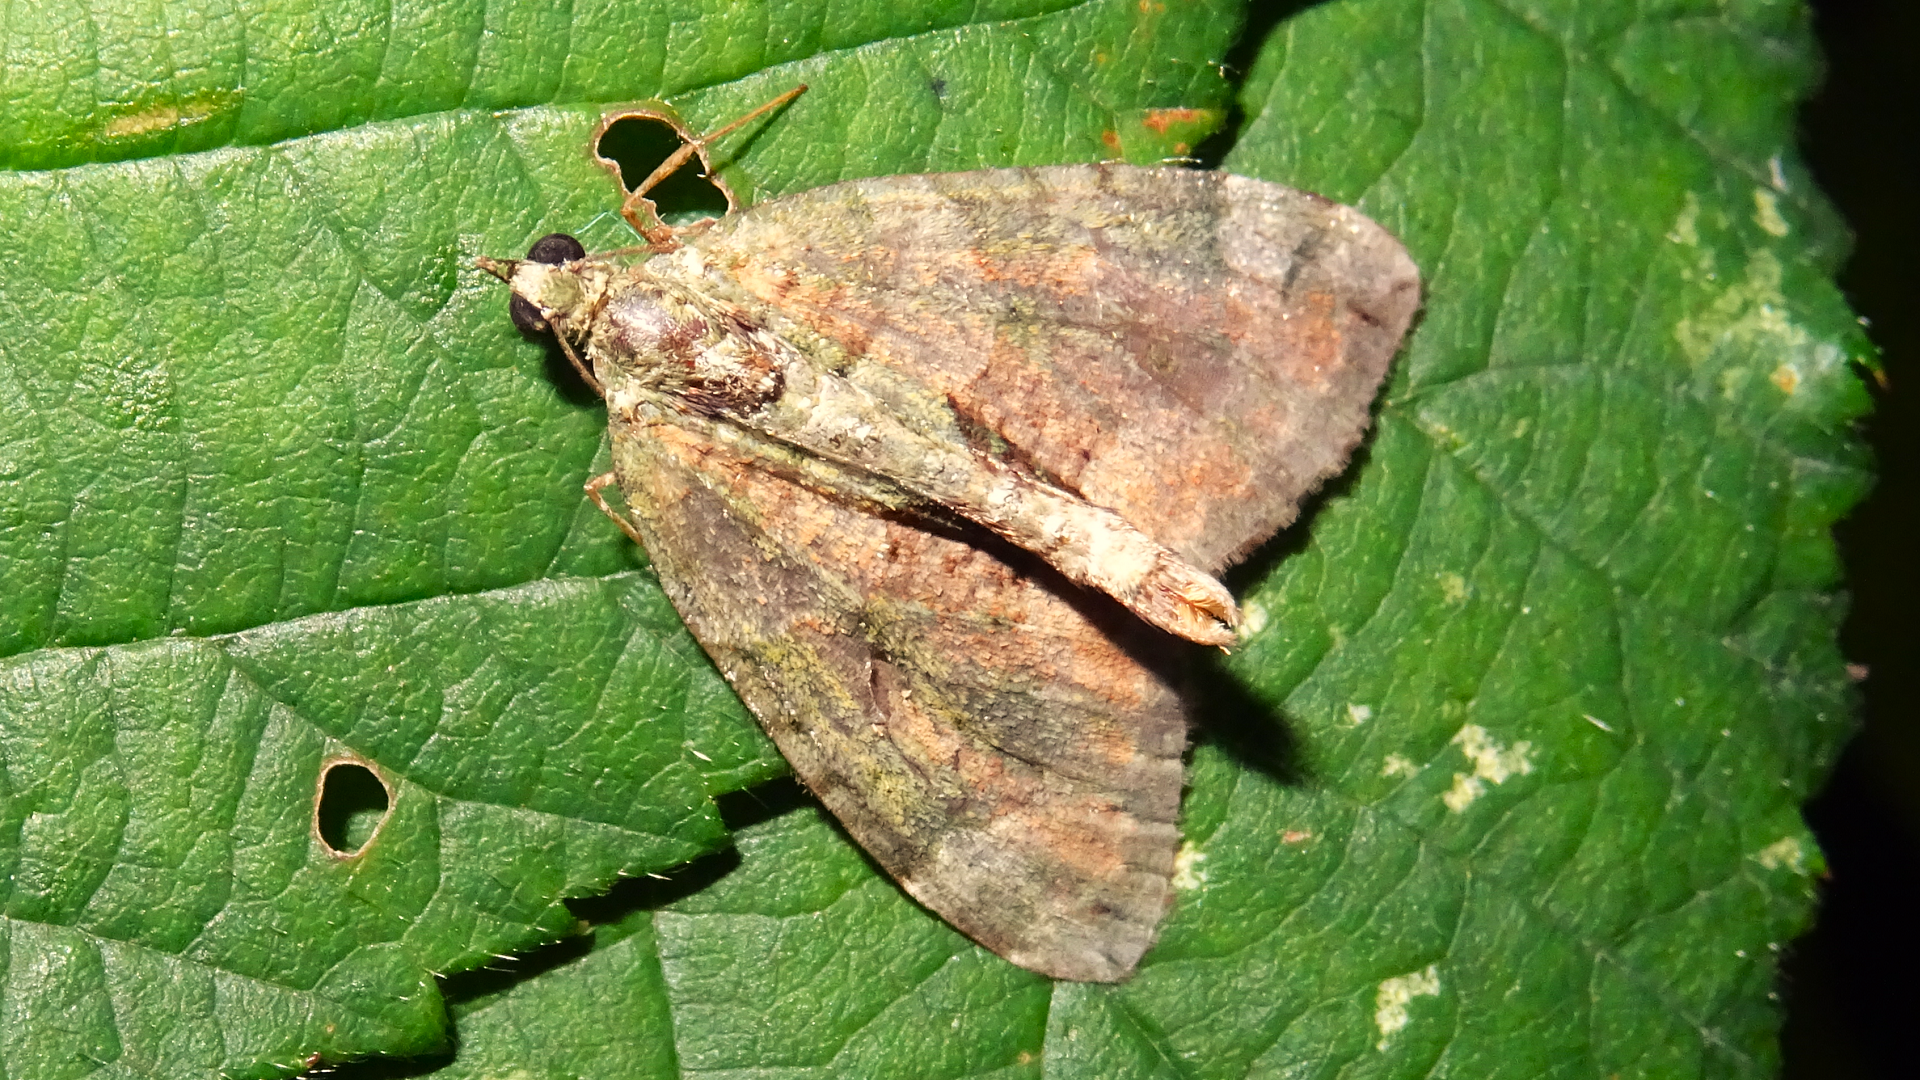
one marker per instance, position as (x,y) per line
(937,468)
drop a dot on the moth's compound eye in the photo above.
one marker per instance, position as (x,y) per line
(556,248)
(525,316)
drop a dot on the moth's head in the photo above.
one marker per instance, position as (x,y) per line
(543,288)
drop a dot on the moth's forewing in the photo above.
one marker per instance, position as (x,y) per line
(1005,745)
(1195,350)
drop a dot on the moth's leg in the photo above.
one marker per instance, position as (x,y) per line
(560,334)
(640,211)
(594,488)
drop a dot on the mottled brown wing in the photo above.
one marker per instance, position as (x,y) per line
(1194,350)
(1007,746)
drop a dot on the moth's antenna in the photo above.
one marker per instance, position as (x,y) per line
(640,211)
(692,146)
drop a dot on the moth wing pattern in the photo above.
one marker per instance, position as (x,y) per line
(1195,350)
(1006,746)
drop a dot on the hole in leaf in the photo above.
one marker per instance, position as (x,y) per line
(353,802)
(638,145)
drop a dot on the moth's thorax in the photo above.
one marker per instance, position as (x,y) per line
(675,341)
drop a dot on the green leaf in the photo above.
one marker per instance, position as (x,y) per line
(1547,675)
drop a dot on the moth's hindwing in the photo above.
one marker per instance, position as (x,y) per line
(1005,745)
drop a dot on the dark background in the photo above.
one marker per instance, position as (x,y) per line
(1852,986)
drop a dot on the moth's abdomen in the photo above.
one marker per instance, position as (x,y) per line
(713,360)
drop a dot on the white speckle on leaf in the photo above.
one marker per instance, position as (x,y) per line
(1492,764)
(1465,789)
(1395,765)
(1775,174)
(1786,853)
(1597,722)
(1766,213)
(1751,319)
(1358,714)
(159,118)
(1453,588)
(1187,872)
(1686,227)
(1253,618)
(1391,1000)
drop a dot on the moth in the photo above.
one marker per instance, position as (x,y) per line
(941,471)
